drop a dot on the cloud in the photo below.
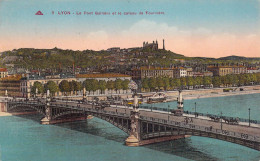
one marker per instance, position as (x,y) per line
(193,42)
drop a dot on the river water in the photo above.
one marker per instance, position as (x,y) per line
(23,138)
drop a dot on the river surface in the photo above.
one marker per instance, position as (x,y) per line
(23,138)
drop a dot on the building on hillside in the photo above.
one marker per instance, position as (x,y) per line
(27,82)
(152,46)
(190,73)
(239,69)
(3,72)
(225,70)
(10,85)
(180,72)
(102,76)
(114,49)
(199,74)
(253,70)
(180,60)
(207,74)
(220,70)
(152,72)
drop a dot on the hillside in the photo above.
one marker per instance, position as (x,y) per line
(58,58)
(234,57)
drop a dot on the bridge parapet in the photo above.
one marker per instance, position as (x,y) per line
(202,128)
(202,114)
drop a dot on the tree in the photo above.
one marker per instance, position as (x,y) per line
(234,80)
(216,81)
(87,84)
(254,78)
(183,82)
(224,80)
(242,80)
(52,87)
(171,83)
(177,82)
(125,84)
(71,87)
(118,85)
(110,85)
(145,83)
(248,79)
(159,82)
(207,81)
(199,80)
(37,85)
(77,87)
(166,83)
(102,84)
(189,81)
(64,86)
(229,79)
(152,83)
(94,84)
(257,77)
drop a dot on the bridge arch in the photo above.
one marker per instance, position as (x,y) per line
(39,108)
(231,137)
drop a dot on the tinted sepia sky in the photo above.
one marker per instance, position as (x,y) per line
(191,27)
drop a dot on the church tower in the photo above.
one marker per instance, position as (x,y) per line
(163,45)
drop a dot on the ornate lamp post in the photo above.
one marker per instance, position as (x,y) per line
(221,120)
(168,112)
(195,109)
(249,115)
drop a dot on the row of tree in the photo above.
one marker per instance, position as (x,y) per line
(74,87)
(166,83)
(94,85)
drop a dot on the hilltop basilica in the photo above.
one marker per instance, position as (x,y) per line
(153,45)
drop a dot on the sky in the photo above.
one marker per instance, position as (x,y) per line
(206,28)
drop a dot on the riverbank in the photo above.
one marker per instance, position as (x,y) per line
(213,92)
(5,114)
(16,113)
(220,94)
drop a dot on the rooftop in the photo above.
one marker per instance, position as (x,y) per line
(3,70)
(233,66)
(101,75)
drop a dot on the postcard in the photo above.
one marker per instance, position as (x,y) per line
(129,80)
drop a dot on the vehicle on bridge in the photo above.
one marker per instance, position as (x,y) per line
(101,104)
(231,120)
(177,112)
(215,118)
(130,101)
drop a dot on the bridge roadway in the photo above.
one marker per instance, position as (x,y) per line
(227,129)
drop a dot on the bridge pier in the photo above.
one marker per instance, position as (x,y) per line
(3,105)
(47,119)
(134,138)
(137,129)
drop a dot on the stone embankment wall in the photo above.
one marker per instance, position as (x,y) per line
(216,91)
(2,106)
(212,92)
